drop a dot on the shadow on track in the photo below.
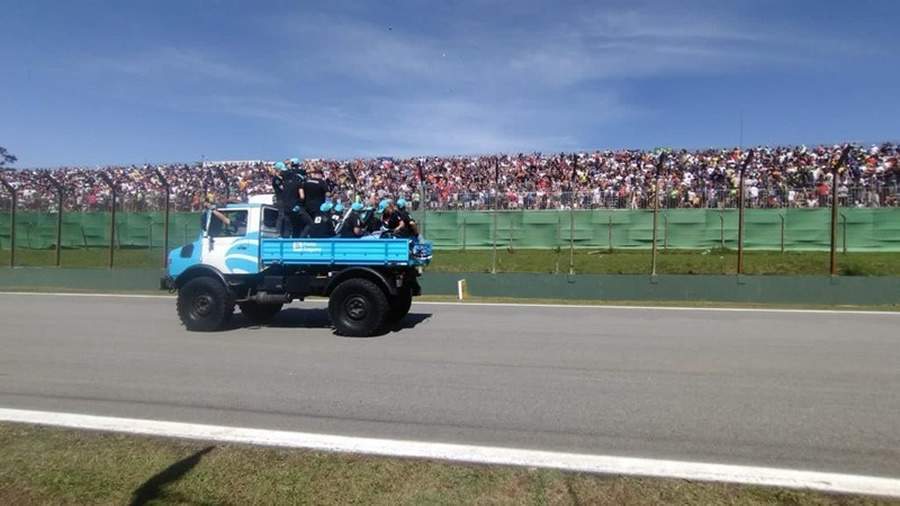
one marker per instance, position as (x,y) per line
(317,318)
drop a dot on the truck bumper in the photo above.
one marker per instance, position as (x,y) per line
(167,283)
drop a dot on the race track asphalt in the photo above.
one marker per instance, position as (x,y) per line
(817,391)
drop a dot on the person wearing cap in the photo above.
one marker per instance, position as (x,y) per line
(369,216)
(322,226)
(337,214)
(390,219)
(278,198)
(353,226)
(410,228)
(314,191)
(290,204)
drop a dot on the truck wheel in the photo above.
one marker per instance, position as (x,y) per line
(259,313)
(400,305)
(204,304)
(358,308)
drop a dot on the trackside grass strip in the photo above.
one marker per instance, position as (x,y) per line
(40,465)
(548,261)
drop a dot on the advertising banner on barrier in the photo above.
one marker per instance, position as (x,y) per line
(766,229)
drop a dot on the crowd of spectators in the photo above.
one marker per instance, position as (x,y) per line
(785,176)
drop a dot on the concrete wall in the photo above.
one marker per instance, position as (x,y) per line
(752,289)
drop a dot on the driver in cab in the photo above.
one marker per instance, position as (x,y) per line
(229,224)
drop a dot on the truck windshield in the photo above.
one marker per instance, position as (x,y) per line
(225,223)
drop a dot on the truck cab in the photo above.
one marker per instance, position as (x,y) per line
(239,259)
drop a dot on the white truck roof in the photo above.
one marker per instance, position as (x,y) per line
(267,199)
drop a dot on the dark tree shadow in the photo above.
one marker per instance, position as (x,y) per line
(317,318)
(154,488)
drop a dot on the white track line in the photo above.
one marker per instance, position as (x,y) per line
(666,308)
(78,294)
(516,304)
(600,464)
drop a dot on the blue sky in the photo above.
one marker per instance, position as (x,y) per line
(93,82)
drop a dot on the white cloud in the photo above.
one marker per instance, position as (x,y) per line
(417,126)
(469,87)
(172,63)
(614,43)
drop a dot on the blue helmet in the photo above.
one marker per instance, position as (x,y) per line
(325,207)
(401,203)
(357,206)
(339,208)
(384,204)
(295,161)
(280,166)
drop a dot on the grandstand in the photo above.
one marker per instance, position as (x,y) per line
(778,177)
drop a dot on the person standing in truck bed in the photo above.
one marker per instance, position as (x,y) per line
(314,191)
(292,200)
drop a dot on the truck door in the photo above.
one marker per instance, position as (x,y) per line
(228,245)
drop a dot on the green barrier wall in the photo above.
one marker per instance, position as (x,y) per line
(91,230)
(824,290)
(812,290)
(794,229)
(771,229)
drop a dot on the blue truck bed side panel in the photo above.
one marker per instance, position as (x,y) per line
(335,251)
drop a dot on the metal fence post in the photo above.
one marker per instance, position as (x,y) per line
(423,198)
(659,165)
(59,217)
(165,253)
(844,232)
(571,237)
(721,230)
(834,207)
(12,220)
(494,234)
(112,221)
(572,201)
(740,262)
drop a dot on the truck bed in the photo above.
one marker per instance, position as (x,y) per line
(336,251)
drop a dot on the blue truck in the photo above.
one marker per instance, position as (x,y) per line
(240,259)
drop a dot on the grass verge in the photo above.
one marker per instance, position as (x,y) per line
(552,261)
(40,465)
(670,262)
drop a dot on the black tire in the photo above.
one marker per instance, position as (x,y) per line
(259,313)
(358,308)
(204,304)
(400,305)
